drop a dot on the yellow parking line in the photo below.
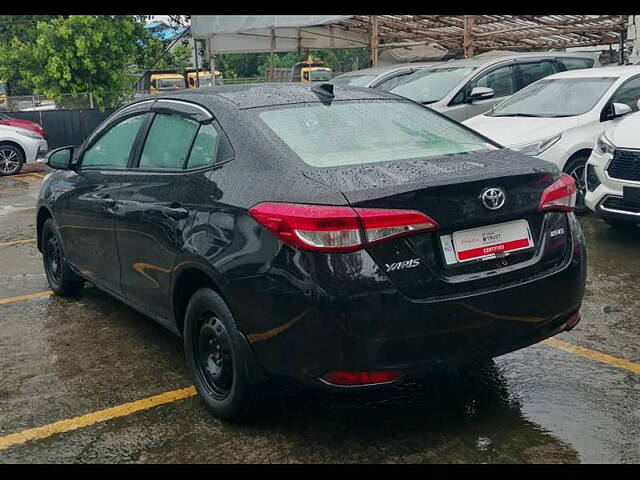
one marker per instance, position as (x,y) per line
(29,296)
(89,419)
(593,355)
(18,242)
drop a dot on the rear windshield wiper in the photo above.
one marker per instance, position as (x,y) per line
(428,102)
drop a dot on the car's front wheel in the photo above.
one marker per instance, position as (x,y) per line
(62,280)
(215,357)
(11,160)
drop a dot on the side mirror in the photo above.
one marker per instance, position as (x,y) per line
(480,93)
(60,158)
(620,109)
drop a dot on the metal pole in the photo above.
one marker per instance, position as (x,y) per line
(195,53)
(623,32)
(467,42)
(374,41)
(272,49)
(212,60)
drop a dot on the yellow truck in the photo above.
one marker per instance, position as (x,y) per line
(311,71)
(3,96)
(163,82)
(206,80)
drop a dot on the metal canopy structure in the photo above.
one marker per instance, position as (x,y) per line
(470,34)
(461,35)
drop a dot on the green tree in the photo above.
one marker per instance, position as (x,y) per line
(77,54)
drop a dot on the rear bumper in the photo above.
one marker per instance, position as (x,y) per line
(357,320)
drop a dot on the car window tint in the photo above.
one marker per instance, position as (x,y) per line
(629,93)
(112,149)
(205,147)
(500,80)
(576,63)
(168,142)
(389,83)
(532,72)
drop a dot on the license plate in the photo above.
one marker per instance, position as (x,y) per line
(486,242)
(631,195)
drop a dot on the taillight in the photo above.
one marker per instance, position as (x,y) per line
(361,378)
(561,195)
(322,228)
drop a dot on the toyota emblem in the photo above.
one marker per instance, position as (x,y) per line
(493,198)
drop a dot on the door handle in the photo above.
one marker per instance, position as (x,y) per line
(176,211)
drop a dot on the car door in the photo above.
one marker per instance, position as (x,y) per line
(156,207)
(500,78)
(86,219)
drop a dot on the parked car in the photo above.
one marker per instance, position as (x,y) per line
(560,117)
(17,146)
(18,122)
(382,78)
(613,174)
(462,89)
(344,238)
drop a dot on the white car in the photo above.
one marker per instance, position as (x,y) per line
(19,146)
(559,117)
(613,174)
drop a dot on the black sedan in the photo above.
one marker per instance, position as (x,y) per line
(344,239)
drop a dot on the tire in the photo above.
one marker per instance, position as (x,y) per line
(215,357)
(619,223)
(11,160)
(62,280)
(575,168)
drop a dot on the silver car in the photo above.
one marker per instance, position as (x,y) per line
(381,78)
(462,89)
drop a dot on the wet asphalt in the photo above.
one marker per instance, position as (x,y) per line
(63,358)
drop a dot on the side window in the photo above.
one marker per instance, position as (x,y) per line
(500,80)
(628,93)
(576,63)
(389,83)
(168,142)
(113,148)
(305,75)
(154,83)
(534,71)
(205,147)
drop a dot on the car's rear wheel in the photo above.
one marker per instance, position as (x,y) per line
(620,223)
(62,280)
(11,160)
(575,168)
(215,357)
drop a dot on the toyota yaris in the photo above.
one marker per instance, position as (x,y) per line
(343,238)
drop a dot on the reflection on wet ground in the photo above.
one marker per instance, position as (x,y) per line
(63,358)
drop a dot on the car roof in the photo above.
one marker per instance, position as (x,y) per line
(498,58)
(256,95)
(374,71)
(618,71)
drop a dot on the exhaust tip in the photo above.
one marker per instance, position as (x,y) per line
(572,322)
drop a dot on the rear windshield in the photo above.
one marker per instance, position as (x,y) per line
(171,83)
(349,133)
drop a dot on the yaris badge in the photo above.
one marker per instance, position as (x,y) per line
(493,198)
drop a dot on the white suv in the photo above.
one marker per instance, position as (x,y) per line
(612,175)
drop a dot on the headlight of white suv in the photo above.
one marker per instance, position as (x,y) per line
(537,147)
(604,145)
(27,133)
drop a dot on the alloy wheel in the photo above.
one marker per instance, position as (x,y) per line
(578,176)
(9,160)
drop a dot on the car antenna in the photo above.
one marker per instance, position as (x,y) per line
(324,91)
